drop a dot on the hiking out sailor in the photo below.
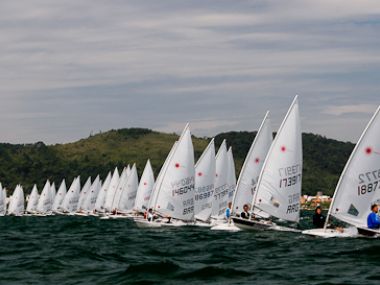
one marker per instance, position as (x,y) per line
(373,221)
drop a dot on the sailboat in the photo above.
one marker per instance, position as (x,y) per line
(16,204)
(128,193)
(2,201)
(231,175)
(116,198)
(144,189)
(279,186)
(90,198)
(58,199)
(252,166)
(70,202)
(110,194)
(82,196)
(44,205)
(53,192)
(100,200)
(31,207)
(142,222)
(204,185)
(175,192)
(356,188)
(249,173)
(221,189)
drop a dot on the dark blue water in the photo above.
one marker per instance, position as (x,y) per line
(80,250)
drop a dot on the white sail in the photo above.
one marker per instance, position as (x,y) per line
(128,194)
(33,200)
(279,186)
(101,199)
(119,190)
(175,196)
(154,195)
(90,199)
(45,202)
(145,188)
(111,191)
(53,192)
(252,166)
(231,175)
(83,194)
(204,183)
(16,204)
(219,203)
(59,196)
(70,202)
(128,170)
(359,185)
(2,201)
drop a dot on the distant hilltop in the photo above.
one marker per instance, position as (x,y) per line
(27,164)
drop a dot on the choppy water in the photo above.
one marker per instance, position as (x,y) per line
(80,250)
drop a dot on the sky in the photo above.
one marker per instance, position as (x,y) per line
(72,68)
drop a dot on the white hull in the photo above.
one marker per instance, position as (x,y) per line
(141,223)
(120,217)
(82,214)
(230,227)
(202,224)
(332,233)
(175,223)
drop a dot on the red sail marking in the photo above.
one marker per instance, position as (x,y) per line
(283,148)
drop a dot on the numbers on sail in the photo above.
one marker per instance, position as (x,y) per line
(290,181)
(369,176)
(188,206)
(368,188)
(182,186)
(220,192)
(204,192)
(290,175)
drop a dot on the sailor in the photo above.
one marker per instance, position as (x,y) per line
(245,214)
(318,218)
(150,215)
(373,221)
(228,211)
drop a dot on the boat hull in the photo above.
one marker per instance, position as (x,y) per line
(368,232)
(253,225)
(331,233)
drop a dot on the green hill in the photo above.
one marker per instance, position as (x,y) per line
(324,158)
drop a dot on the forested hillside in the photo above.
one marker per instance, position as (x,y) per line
(324,158)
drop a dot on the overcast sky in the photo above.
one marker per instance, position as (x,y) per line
(69,68)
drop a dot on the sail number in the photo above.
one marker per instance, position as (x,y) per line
(290,175)
(204,192)
(290,181)
(368,182)
(368,188)
(183,190)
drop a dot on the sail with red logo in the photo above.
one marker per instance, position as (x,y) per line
(175,193)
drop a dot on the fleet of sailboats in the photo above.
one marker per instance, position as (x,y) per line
(266,193)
